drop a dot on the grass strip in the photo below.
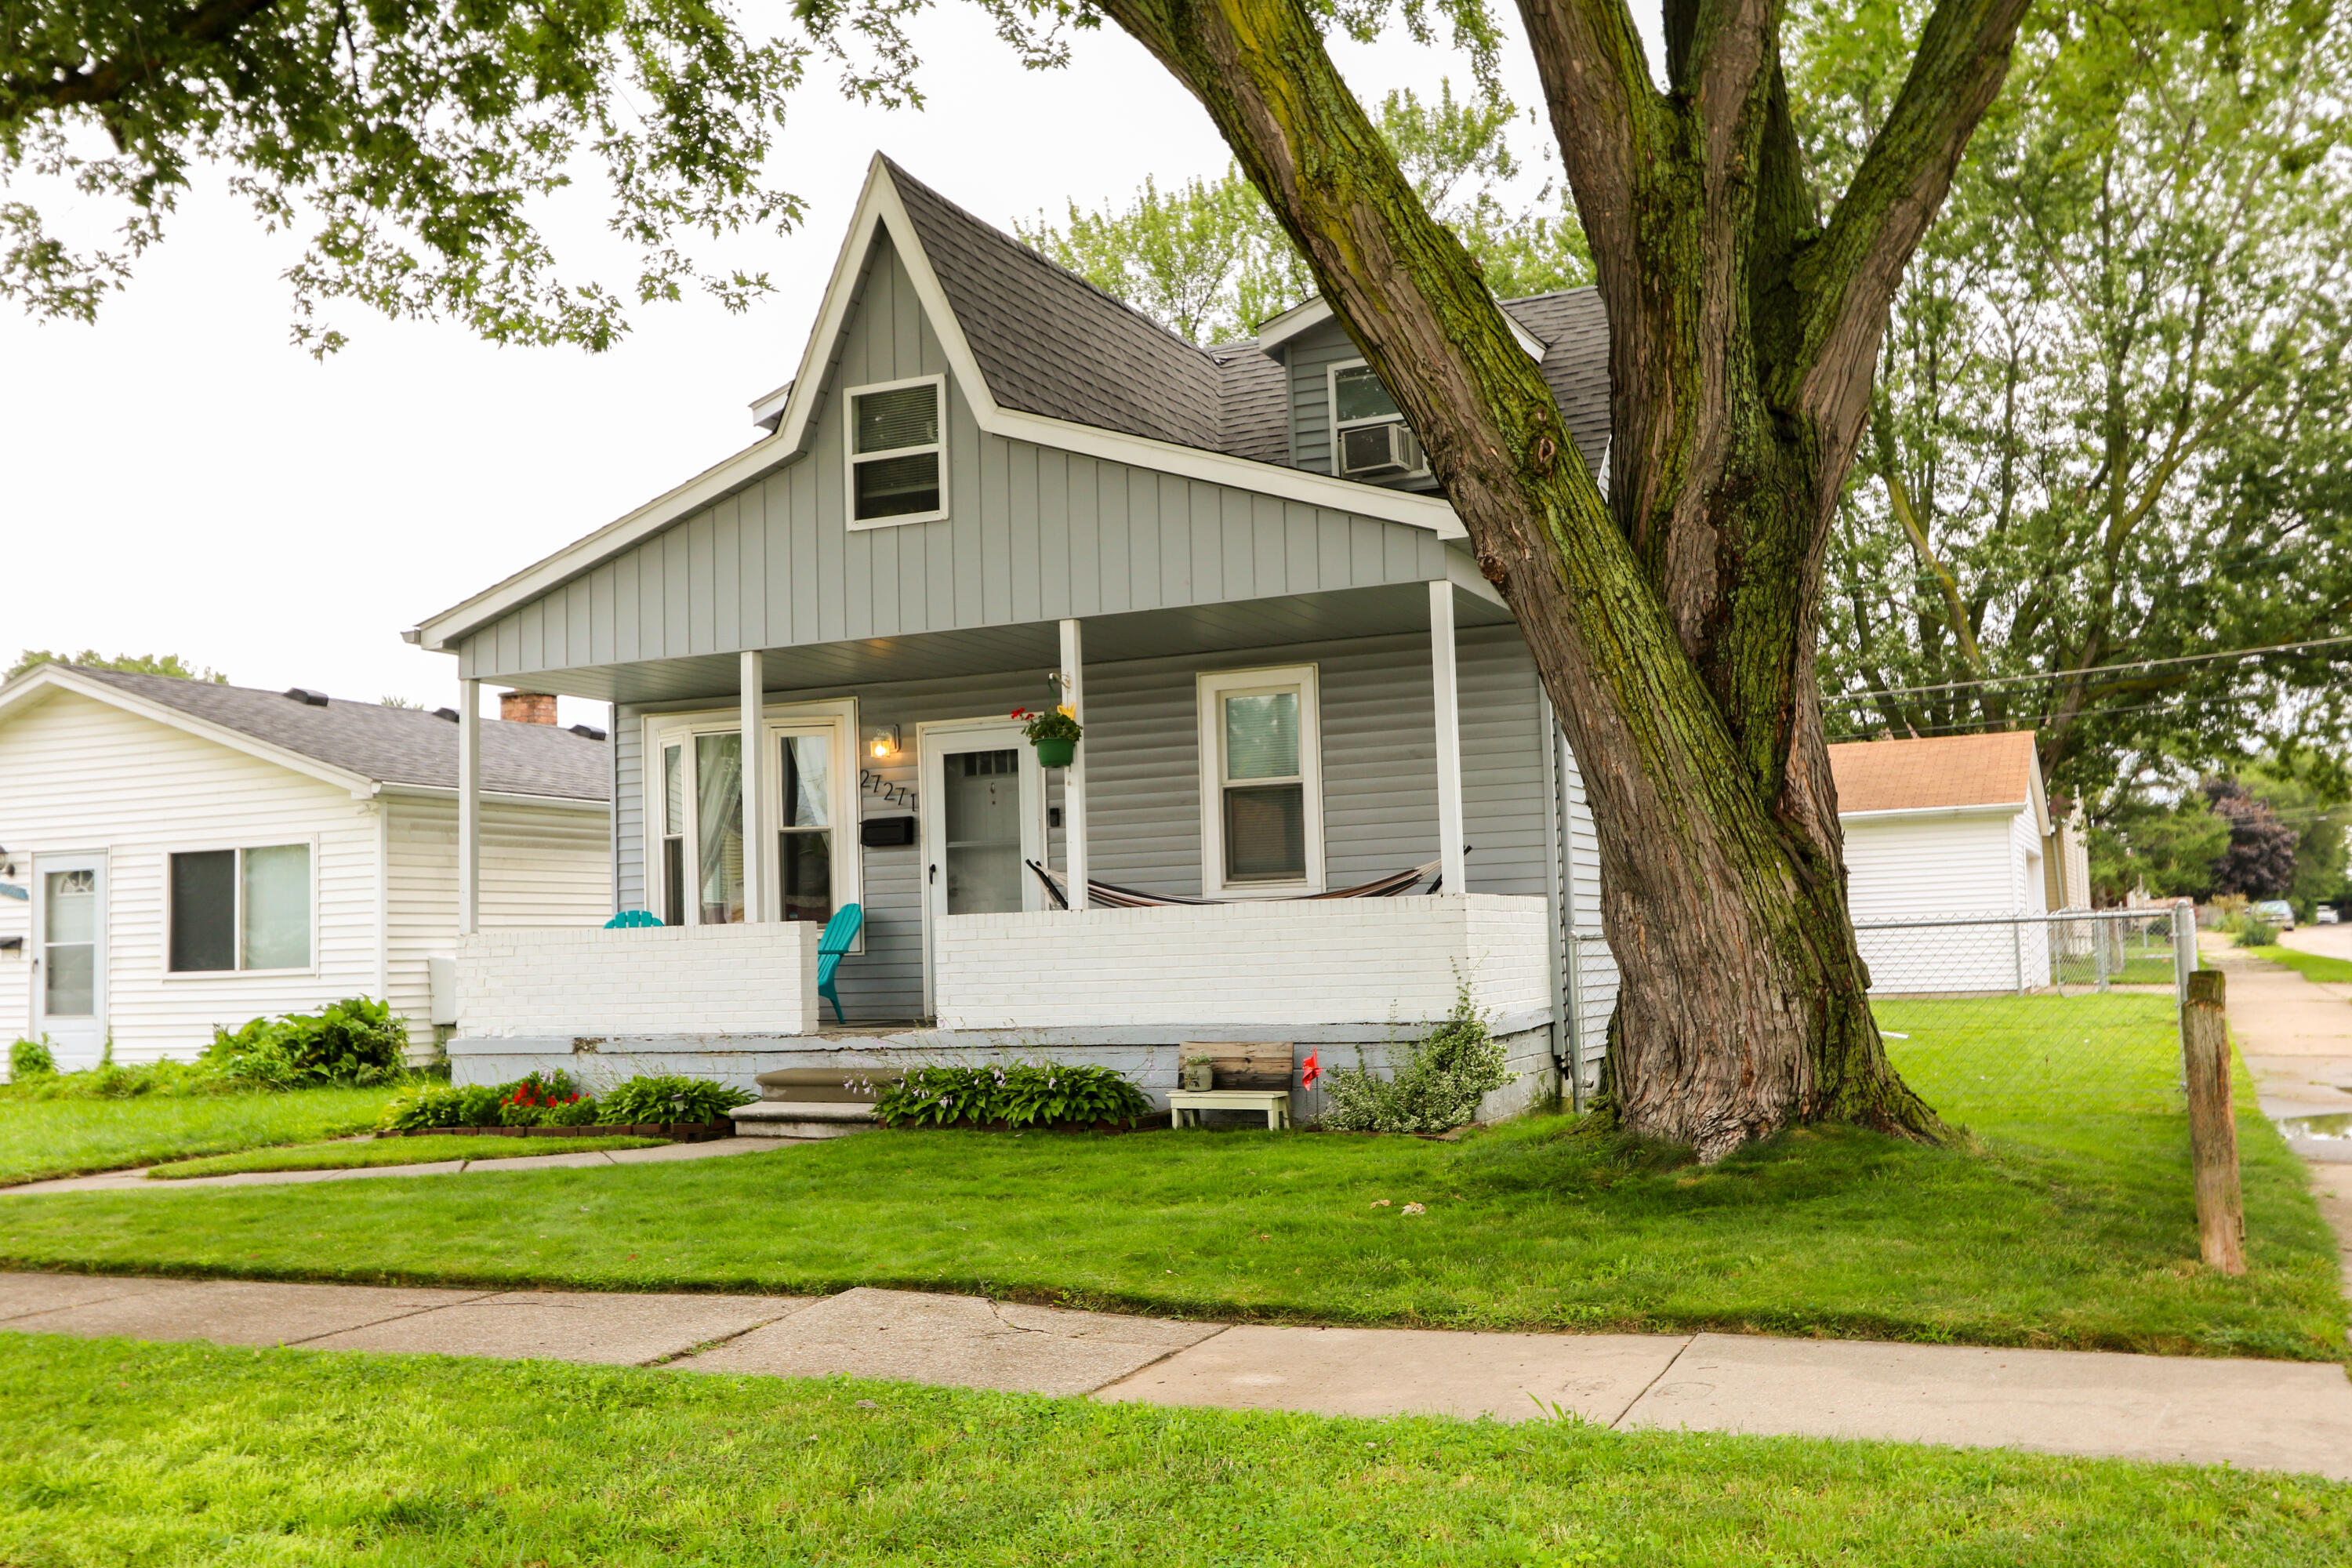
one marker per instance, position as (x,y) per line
(2070,1223)
(43,1138)
(355,1154)
(266,1456)
(2310,965)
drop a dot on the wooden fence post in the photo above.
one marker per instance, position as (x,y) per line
(2212,1126)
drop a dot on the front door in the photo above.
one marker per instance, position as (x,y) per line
(983,812)
(70,956)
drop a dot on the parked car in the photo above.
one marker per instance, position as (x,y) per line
(2326,915)
(2276,911)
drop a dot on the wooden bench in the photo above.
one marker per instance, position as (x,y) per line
(1274,1102)
(1250,1075)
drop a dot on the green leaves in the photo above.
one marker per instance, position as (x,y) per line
(414,144)
(1026,1094)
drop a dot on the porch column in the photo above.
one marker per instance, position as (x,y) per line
(469,807)
(1074,778)
(756,848)
(1449,738)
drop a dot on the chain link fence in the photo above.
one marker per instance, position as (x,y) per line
(1995,1016)
(1989,1015)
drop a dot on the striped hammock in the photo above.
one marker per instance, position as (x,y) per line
(1110,895)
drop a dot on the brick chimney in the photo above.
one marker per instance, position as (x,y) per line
(527,707)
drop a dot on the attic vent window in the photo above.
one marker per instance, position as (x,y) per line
(1370,439)
(898,453)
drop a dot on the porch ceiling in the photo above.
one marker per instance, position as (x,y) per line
(1151,633)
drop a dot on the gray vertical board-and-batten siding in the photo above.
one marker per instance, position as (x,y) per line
(1032,534)
(1143,778)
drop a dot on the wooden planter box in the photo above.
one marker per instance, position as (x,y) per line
(676,1131)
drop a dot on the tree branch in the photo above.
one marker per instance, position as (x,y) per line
(1851,273)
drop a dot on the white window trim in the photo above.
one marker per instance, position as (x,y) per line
(851,456)
(837,717)
(1331,406)
(236,908)
(1212,687)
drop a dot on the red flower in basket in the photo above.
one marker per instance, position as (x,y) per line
(1309,1071)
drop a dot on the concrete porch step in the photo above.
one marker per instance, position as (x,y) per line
(802,1119)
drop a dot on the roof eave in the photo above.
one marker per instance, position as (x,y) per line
(63,677)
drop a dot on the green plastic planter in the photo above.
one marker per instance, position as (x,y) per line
(1056,754)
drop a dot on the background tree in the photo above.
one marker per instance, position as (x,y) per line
(169,664)
(2112,418)
(2258,862)
(2161,849)
(1209,260)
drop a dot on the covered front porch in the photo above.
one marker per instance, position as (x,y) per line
(1254,755)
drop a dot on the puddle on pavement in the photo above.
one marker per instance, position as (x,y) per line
(2335,1127)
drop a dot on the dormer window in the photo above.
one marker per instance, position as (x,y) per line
(898,452)
(1370,439)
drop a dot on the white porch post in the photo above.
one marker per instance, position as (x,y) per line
(756,848)
(1074,780)
(1449,738)
(469,807)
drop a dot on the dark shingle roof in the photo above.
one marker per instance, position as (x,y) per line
(1050,342)
(391,745)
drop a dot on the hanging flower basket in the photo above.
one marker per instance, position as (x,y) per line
(1055,734)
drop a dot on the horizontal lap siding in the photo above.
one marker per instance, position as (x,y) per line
(77,774)
(1143,779)
(1918,867)
(541,866)
(1034,534)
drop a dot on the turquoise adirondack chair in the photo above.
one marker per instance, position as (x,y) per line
(839,932)
(630,919)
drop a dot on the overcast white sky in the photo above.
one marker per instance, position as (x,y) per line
(180,478)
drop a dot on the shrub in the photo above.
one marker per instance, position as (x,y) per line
(31,1059)
(1026,1094)
(354,1041)
(112,1080)
(1437,1086)
(436,1105)
(2257,933)
(545,1099)
(669,1097)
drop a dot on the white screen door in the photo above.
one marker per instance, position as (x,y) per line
(983,812)
(70,956)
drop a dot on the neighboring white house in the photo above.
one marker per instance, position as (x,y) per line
(1950,826)
(178,854)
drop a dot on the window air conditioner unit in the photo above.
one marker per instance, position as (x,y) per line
(1380,452)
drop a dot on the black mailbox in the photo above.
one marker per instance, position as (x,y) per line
(886,832)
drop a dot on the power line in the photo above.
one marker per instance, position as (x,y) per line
(2096,669)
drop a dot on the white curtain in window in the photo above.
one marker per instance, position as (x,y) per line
(718,821)
(278,907)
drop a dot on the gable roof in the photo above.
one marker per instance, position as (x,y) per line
(1939,772)
(360,741)
(1042,355)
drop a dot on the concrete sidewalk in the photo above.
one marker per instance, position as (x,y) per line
(2271,1415)
(135,1180)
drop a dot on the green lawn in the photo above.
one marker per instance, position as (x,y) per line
(2310,965)
(267,1458)
(2070,1224)
(377,1151)
(41,1137)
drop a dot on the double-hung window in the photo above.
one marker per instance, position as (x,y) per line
(695,842)
(1261,783)
(240,909)
(898,452)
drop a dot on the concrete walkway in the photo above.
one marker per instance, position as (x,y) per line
(2271,1415)
(135,1181)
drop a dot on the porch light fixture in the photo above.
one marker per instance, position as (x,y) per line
(882,742)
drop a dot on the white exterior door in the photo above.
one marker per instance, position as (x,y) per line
(70,956)
(983,812)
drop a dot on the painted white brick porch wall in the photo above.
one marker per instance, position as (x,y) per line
(657,979)
(1338,961)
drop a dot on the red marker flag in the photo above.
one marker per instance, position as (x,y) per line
(1309,1071)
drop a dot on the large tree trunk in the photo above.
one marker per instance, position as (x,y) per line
(1674,621)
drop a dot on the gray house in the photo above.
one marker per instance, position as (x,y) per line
(991,487)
